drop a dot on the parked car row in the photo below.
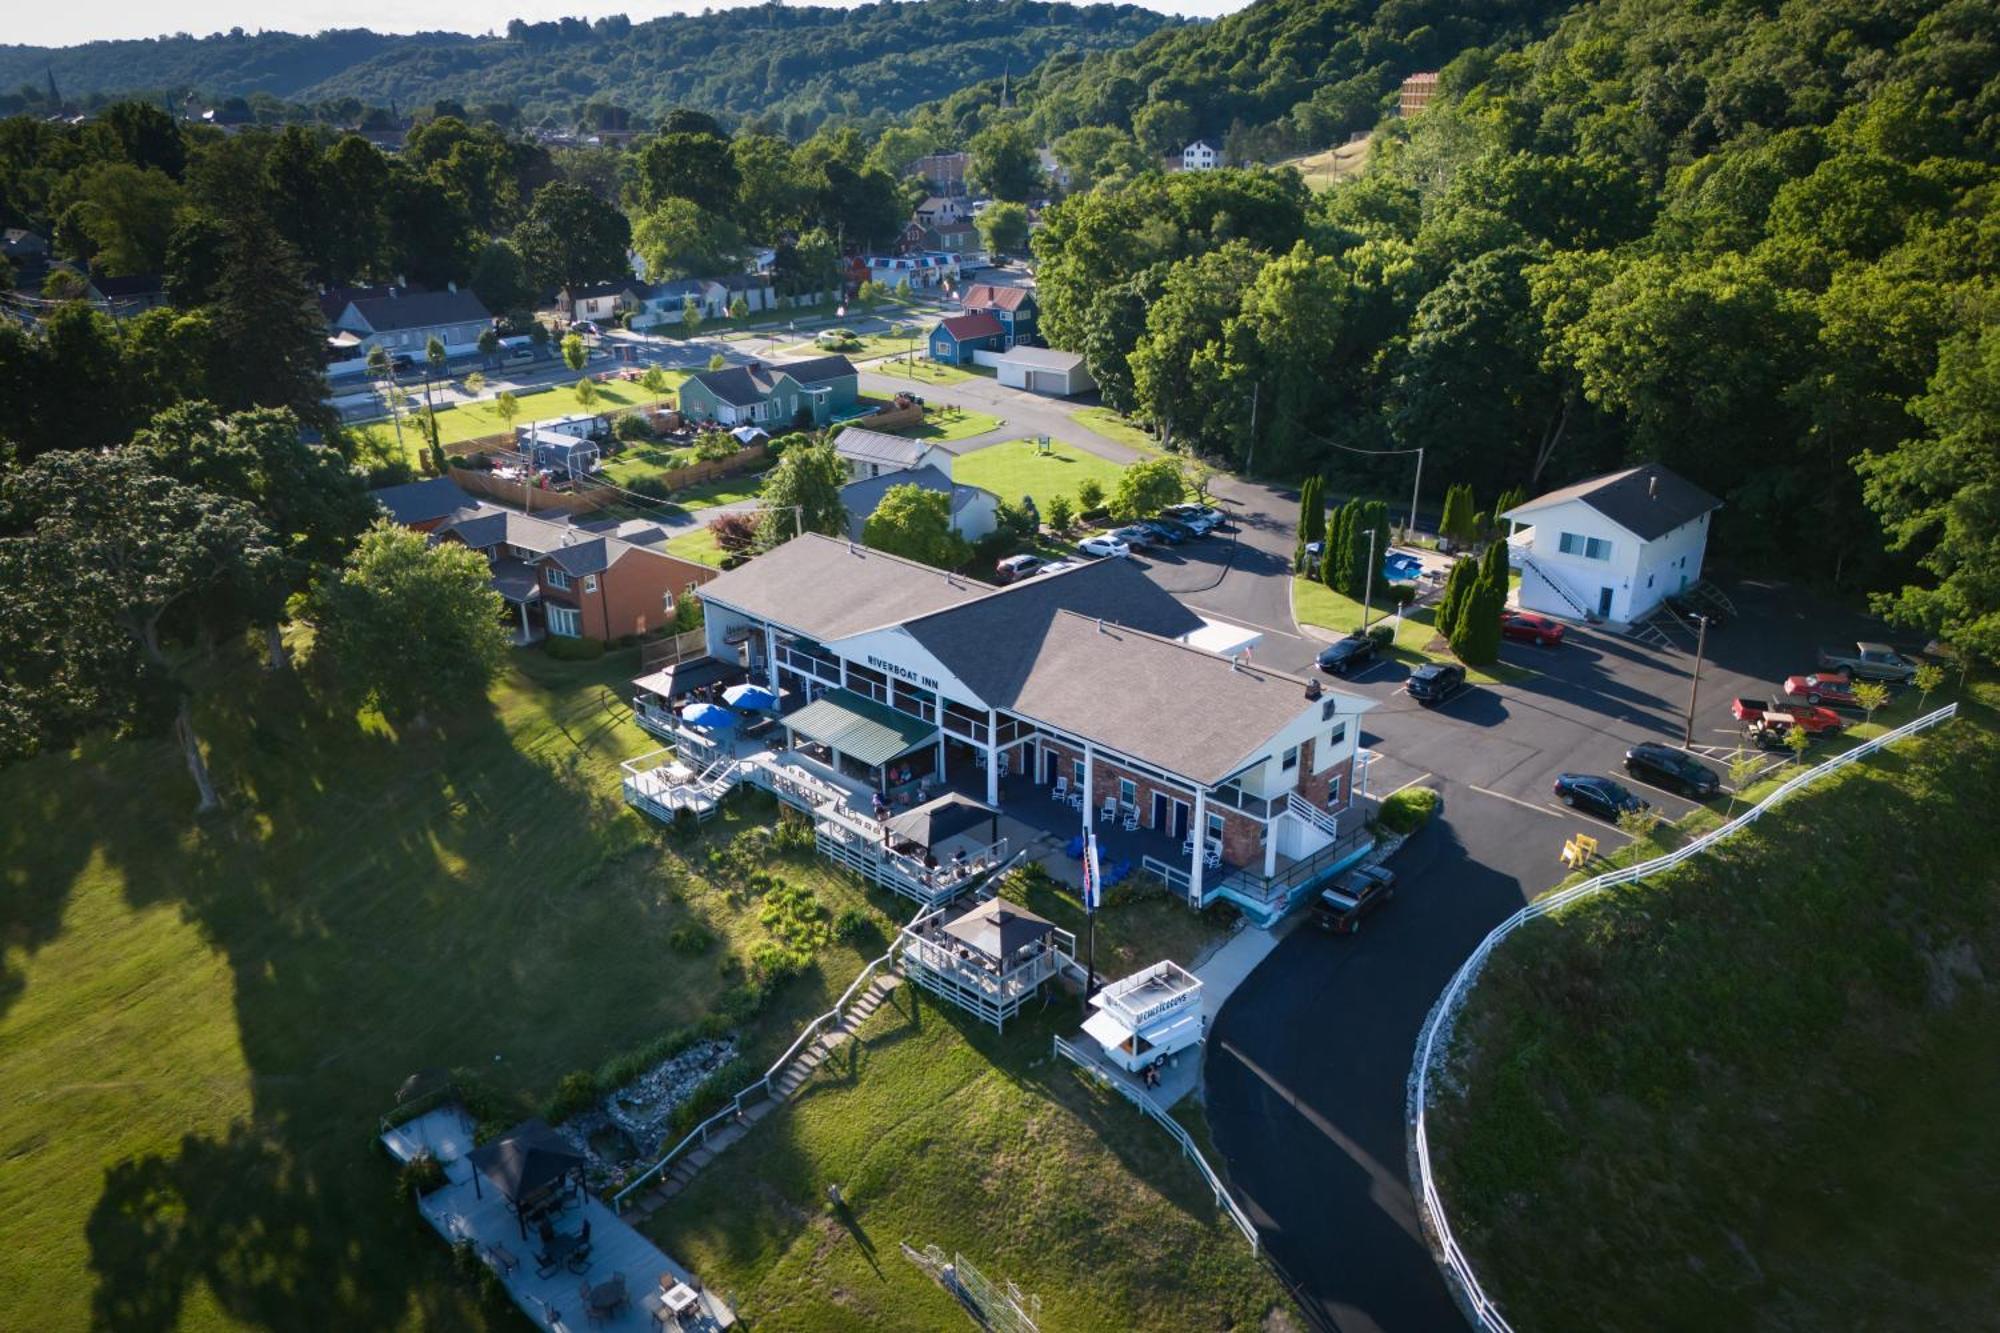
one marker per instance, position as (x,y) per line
(1172,526)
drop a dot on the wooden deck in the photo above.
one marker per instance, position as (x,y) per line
(459,1211)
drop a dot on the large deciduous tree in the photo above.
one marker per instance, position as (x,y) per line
(802,493)
(1938,494)
(915,523)
(116,578)
(413,626)
(1004,163)
(571,237)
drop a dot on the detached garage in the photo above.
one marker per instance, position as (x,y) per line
(1043,370)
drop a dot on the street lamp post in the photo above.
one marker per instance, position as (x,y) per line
(1411,531)
(1367,582)
(1694,685)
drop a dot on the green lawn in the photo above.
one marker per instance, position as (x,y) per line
(698,545)
(921,371)
(1103,421)
(873,345)
(638,461)
(1313,603)
(1757,1090)
(941,1132)
(200,1022)
(473,420)
(945,421)
(721,491)
(1013,469)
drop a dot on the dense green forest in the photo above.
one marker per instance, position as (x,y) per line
(1754,241)
(788,68)
(1280,76)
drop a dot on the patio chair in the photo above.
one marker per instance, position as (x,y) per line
(1212,858)
(1108,811)
(579,1258)
(502,1257)
(590,1311)
(1131,818)
(1060,792)
(1076,799)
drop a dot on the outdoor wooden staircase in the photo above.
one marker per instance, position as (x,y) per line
(784,1084)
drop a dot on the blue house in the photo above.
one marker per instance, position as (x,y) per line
(1014,307)
(954,340)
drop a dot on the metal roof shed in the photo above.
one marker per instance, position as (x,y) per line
(856,726)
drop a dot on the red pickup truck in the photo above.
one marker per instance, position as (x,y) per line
(1823,687)
(1815,720)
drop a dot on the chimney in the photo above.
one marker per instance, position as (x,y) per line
(1312,689)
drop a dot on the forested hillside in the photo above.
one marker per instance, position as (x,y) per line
(1277,77)
(1756,242)
(791,67)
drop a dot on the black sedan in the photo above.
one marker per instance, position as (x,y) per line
(1596,795)
(1171,530)
(1352,653)
(1676,770)
(1434,682)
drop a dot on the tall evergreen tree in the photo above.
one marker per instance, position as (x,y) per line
(269,328)
(1312,517)
(1456,585)
(1493,564)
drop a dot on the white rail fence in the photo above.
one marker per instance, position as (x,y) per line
(1436,1034)
(1180,1136)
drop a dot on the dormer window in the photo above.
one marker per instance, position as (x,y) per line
(555,577)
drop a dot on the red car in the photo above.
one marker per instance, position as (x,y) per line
(1527,627)
(1825,687)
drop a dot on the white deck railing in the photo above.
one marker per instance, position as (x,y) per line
(1436,1033)
(1180,1135)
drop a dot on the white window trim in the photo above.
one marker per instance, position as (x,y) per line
(556,577)
(566,621)
(590,583)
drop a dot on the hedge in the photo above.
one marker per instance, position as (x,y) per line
(1408,810)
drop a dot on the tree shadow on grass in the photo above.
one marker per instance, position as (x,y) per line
(466,895)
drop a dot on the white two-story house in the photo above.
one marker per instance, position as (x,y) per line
(1612,547)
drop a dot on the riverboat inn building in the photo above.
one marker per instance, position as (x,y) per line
(1073,689)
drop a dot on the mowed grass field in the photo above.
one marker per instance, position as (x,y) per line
(1014,469)
(471,421)
(940,1131)
(201,1022)
(1757,1091)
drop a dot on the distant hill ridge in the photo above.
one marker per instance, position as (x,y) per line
(799,65)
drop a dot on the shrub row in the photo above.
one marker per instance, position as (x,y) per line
(581,1089)
(1408,810)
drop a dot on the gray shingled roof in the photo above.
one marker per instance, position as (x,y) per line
(993,644)
(874,446)
(744,385)
(1047,357)
(1180,708)
(1647,501)
(863,497)
(417,310)
(424,501)
(827,589)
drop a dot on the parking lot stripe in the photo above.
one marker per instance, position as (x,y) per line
(1411,783)
(1525,805)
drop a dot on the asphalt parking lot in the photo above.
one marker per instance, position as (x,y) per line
(1306,1068)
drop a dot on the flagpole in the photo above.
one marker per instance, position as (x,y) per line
(1091,889)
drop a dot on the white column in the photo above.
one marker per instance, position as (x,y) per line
(993,758)
(524,622)
(771,656)
(1271,846)
(1200,835)
(1089,793)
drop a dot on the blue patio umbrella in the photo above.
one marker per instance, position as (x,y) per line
(708,715)
(753,697)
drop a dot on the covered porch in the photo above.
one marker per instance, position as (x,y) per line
(989,960)
(900,756)
(520,589)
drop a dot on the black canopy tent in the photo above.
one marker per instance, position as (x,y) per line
(999,930)
(945,818)
(527,1162)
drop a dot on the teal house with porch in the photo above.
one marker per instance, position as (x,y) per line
(821,391)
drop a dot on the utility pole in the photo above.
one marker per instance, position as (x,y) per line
(1410,533)
(1694,685)
(1250,454)
(1367,581)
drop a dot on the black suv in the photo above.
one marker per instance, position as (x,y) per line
(1348,654)
(1434,682)
(1676,770)
(1358,894)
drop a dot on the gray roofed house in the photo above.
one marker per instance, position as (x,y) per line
(870,453)
(1647,501)
(823,389)
(404,321)
(825,588)
(974,511)
(424,505)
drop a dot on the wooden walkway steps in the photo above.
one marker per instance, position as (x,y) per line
(784,1085)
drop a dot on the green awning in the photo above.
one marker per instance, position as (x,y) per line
(860,728)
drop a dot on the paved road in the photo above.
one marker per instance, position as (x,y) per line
(1306,1069)
(1021,414)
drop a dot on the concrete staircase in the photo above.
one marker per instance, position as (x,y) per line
(784,1085)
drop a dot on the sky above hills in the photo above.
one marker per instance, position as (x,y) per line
(60,25)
